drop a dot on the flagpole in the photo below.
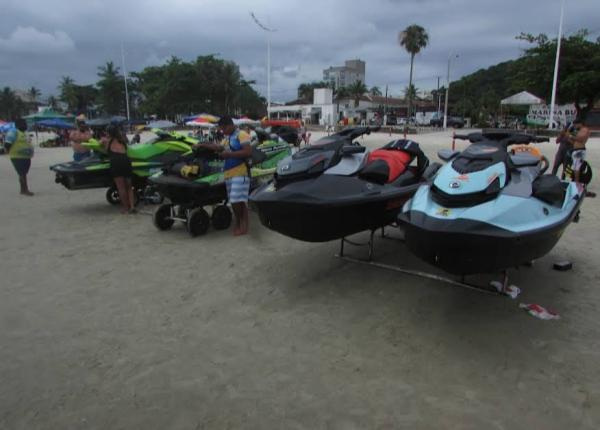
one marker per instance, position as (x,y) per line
(555,79)
(125,79)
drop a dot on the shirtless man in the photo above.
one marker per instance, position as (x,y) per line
(578,141)
(81,134)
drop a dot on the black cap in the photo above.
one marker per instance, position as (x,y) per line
(225,120)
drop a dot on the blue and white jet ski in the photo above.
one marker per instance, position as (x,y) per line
(488,210)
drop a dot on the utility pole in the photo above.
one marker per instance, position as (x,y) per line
(125,79)
(439,96)
(447,91)
(555,79)
(269,31)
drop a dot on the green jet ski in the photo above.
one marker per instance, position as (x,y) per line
(197,181)
(146,159)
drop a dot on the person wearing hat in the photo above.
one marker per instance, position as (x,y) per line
(81,134)
(20,152)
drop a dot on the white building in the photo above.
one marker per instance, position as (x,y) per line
(346,75)
(322,111)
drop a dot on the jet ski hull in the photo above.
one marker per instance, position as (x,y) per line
(328,207)
(466,247)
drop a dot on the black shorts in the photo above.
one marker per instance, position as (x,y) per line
(120,166)
(21,165)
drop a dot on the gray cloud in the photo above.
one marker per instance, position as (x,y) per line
(39,45)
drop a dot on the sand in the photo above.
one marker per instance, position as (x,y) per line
(107,323)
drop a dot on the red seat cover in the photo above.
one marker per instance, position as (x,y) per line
(397,161)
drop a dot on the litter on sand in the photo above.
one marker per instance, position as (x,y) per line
(539,311)
(512,290)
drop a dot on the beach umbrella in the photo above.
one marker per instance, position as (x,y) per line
(55,123)
(7,126)
(208,117)
(161,124)
(245,121)
(202,124)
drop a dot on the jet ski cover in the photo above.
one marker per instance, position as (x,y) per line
(397,161)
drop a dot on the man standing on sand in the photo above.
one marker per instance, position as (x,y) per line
(20,151)
(563,147)
(77,137)
(578,141)
(236,150)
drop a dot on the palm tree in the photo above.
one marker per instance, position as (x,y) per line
(67,92)
(375,91)
(410,92)
(413,38)
(52,102)
(34,93)
(356,90)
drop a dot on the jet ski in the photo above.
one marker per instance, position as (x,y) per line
(197,180)
(335,187)
(488,210)
(146,159)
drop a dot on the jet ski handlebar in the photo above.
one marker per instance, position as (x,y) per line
(354,132)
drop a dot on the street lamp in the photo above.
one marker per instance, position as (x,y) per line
(447,90)
(556,63)
(269,31)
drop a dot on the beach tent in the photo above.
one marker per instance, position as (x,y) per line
(102,122)
(55,123)
(47,114)
(522,98)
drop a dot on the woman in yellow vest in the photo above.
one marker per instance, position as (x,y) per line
(20,151)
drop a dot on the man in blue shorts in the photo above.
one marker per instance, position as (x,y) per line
(236,151)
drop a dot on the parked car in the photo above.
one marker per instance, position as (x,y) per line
(452,121)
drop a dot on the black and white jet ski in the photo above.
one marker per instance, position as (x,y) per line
(336,188)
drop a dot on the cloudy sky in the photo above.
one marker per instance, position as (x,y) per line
(41,41)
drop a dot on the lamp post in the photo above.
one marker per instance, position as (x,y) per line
(447,90)
(269,31)
(555,78)
(125,79)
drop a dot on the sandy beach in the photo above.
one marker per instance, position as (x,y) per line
(107,323)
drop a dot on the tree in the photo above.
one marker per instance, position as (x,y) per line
(356,90)
(34,93)
(413,38)
(111,91)
(410,92)
(208,84)
(68,92)
(375,91)
(11,106)
(579,74)
(306,90)
(52,102)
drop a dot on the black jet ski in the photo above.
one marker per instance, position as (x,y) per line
(336,188)
(488,210)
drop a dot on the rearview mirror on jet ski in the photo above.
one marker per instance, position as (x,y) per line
(447,154)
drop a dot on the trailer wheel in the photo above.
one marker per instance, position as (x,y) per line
(221,217)
(162,217)
(112,195)
(198,222)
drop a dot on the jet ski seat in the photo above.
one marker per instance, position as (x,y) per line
(549,189)
(385,165)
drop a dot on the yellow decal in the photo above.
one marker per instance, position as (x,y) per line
(443,212)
